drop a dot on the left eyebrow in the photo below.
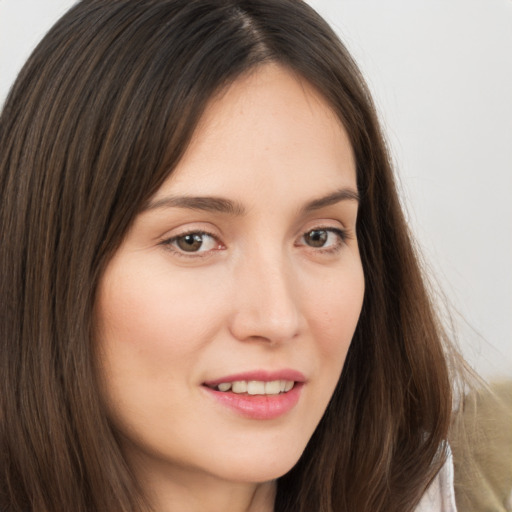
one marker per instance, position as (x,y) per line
(204,203)
(344,194)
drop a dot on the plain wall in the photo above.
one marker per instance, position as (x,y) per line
(441,75)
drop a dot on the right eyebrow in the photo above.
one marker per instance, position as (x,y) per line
(203,203)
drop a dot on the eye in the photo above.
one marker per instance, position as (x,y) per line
(325,238)
(197,242)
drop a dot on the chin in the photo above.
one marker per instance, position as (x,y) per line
(263,466)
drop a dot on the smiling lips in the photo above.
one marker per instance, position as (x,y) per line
(258,395)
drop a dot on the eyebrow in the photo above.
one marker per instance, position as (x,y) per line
(344,194)
(203,203)
(234,208)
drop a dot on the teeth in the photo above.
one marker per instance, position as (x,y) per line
(256,387)
(273,387)
(239,386)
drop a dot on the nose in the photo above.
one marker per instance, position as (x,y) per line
(266,301)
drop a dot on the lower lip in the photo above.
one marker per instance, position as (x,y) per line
(259,407)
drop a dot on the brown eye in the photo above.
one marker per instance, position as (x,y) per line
(316,237)
(191,242)
(326,240)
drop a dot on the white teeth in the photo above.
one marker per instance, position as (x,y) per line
(239,386)
(225,386)
(273,387)
(256,387)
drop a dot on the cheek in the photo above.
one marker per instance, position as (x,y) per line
(156,314)
(333,319)
(334,313)
(151,328)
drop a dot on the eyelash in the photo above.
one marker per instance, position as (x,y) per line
(342,238)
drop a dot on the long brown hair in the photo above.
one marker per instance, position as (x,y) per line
(98,118)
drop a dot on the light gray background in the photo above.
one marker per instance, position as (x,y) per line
(441,75)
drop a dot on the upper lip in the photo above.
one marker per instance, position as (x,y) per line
(260,375)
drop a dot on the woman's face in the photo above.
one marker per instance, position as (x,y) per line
(240,280)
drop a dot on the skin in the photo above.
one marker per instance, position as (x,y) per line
(256,295)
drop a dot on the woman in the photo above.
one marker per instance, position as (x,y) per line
(210,296)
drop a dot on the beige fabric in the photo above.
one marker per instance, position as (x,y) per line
(483,456)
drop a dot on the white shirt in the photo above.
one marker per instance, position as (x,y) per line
(440,496)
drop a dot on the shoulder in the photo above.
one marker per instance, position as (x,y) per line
(440,496)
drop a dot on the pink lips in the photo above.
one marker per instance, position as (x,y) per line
(259,407)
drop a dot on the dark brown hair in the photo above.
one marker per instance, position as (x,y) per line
(98,118)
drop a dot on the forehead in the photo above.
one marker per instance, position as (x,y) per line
(269,129)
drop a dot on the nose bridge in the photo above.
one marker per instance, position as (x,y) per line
(266,303)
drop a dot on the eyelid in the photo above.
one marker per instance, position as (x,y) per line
(190,228)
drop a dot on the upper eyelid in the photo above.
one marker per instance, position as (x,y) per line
(199,230)
(327,222)
(184,230)
(193,232)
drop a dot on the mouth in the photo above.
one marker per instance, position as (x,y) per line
(254,387)
(258,395)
